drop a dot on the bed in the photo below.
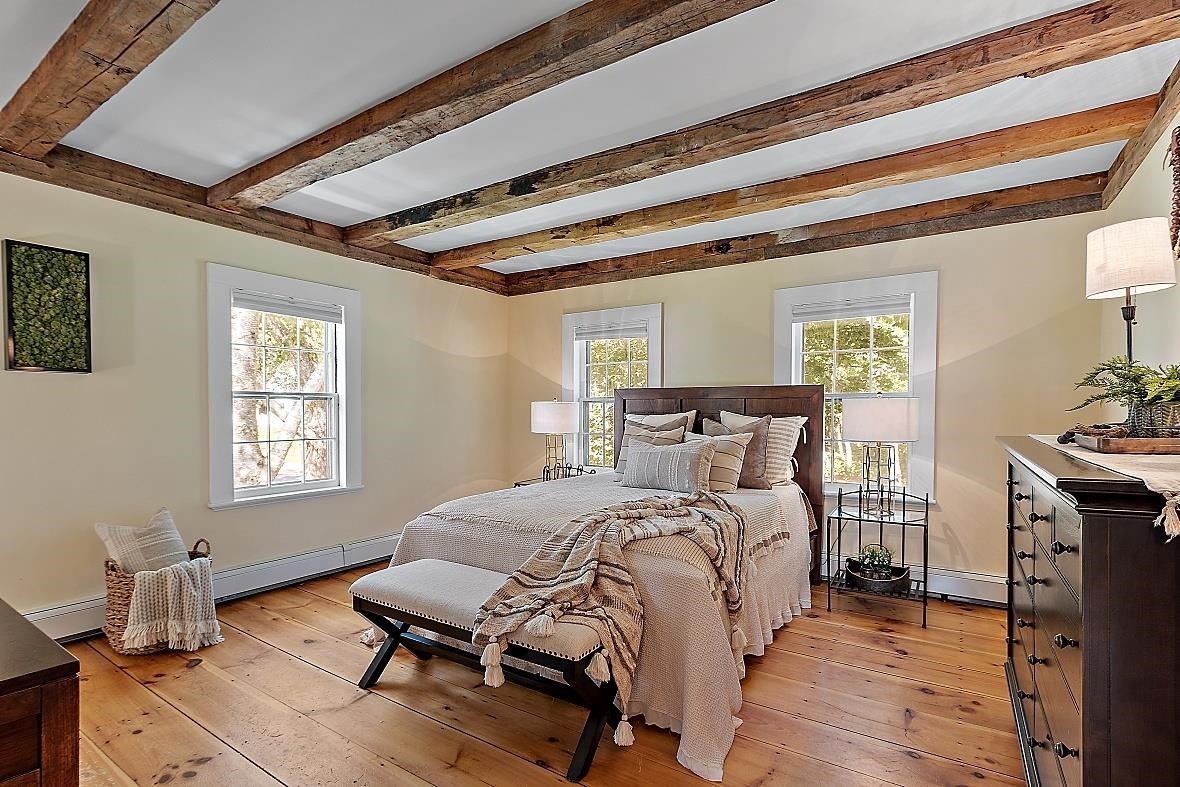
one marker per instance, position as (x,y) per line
(688,675)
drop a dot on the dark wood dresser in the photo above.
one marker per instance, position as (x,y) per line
(1093,620)
(38,707)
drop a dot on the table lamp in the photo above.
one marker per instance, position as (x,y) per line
(881,422)
(1125,259)
(555,420)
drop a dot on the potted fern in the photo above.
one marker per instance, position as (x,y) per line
(873,570)
(1151,396)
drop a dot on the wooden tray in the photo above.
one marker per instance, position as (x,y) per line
(1129,445)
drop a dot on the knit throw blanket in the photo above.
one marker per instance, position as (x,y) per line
(580,573)
(174,605)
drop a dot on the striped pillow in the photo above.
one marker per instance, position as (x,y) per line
(780,444)
(144,548)
(664,434)
(726,468)
(678,468)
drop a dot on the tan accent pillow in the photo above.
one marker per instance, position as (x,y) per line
(156,546)
(635,429)
(727,459)
(780,443)
(676,468)
(665,420)
(754,462)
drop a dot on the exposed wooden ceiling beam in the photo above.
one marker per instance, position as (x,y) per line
(76,169)
(1135,151)
(1017,143)
(105,47)
(1022,203)
(1090,32)
(585,39)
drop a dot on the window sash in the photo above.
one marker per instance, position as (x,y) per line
(916,294)
(584,398)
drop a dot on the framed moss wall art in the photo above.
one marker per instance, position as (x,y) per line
(47,308)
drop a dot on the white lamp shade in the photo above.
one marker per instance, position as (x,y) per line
(880,420)
(1135,255)
(555,417)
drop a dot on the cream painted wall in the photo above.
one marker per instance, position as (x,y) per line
(116,444)
(1157,334)
(1014,332)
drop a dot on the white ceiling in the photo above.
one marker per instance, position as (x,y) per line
(256,76)
(28,29)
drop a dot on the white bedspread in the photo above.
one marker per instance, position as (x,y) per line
(687,678)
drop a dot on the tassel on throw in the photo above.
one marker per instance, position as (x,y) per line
(1169,518)
(493,675)
(372,637)
(738,640)
(541,626)
(624,735)
(599,669)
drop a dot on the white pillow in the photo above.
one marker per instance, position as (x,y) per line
(683,467)
(780,443)
(150,548)
(726,468)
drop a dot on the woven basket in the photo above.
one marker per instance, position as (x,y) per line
(120,586)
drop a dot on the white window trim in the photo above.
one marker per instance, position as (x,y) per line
(652,314)
(221,281)
(923,287)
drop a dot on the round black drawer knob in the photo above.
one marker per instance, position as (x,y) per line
(1022,555)
(1058,548)
(1020,496)
(1022,623)
(1034,660)
(1024,695)
(1063,641)
(1033,742)
(1063,751)
(1035,581)
(1034,517)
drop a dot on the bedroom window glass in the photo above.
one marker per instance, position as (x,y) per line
(858,339)
(281,402)
(605,350)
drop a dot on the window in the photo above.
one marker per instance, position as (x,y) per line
(602,351)
(858,339)
(283,387)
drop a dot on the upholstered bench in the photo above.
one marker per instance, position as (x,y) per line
(444,597)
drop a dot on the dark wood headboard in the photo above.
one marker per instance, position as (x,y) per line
(759,400)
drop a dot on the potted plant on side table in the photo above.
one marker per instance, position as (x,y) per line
(873,570)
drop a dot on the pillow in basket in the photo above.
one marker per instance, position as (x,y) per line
(144,548)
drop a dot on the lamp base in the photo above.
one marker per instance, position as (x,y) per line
(879,479)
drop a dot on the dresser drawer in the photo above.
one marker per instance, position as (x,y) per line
(1066,547)
(1020,489)
(1064,735)
(20,746)
(1059,622)
(1022,537)
(1023,613)
(1046,760)
(1025,685)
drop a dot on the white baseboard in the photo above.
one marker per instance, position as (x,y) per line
(966,585)
(85,617)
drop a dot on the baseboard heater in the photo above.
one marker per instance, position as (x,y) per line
(84,618)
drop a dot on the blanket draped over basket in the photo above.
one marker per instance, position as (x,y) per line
(580,573)
(174,605)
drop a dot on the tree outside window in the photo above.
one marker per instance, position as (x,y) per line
(608,364)
(284,406)
(857,356)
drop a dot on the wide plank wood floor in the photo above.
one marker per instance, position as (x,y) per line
(858,696)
